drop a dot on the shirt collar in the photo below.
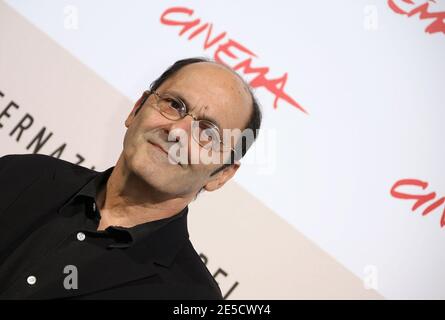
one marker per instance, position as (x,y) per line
(141,232)
(92,187)
(127,236)
(89,190)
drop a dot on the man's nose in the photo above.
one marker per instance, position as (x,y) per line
(181,129)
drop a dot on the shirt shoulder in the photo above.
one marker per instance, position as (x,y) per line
(30,162)
(20,171)
(201,283)
(31,165)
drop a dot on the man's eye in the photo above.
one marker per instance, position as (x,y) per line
(175,104)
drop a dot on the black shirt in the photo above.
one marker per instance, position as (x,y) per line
(42,262)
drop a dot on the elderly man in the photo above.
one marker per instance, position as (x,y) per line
(70,232)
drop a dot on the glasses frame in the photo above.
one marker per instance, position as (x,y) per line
(159,96)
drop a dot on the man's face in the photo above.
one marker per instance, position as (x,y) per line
(210,91)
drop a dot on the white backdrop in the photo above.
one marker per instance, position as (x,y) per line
(369,77)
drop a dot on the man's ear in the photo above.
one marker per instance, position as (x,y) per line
(135,109)
(222,177)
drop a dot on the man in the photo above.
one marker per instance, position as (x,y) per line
(70,232)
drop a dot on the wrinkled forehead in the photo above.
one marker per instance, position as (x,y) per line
(212,90)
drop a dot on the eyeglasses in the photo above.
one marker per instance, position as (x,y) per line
(204,132)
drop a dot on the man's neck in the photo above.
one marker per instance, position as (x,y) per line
(125,201)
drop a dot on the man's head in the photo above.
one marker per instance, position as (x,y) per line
(210,91)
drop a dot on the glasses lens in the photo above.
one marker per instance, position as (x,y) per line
(171,107)
(206,134)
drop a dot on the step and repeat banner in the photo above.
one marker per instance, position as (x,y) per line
(342,196)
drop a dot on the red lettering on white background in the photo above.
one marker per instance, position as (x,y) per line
(437,25)
(228,51)
(420,198)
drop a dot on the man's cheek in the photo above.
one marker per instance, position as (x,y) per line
(151,118)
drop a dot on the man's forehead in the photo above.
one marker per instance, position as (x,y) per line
(210,74)
(212,88)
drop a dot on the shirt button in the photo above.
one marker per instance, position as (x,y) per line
(31,280)
(80,236)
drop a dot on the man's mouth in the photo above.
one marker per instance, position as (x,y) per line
(160,148)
